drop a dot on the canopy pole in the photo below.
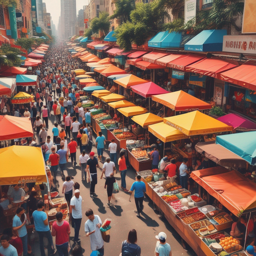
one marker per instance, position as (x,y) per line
(164,149)
(149,104)
(246,230)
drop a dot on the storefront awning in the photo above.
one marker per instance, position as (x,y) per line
(147,119)
(84,40)
(133,61)
(11,71)
(22,98)
(93,88)
(121,104)
(165,133)
(114,51)
(101,46)
(92,44)
(115,77)
(82,77)
(87,81)
(21,164)
(100,93)
(166,40)
(197,123)
(207,41)
(129,80)
(242,144)
(112,70)
(110,37)
(165,60)
(232,189)
(79,72)
(148,89)
(105,61)
(220,155)
(181,101)
(26,80)
(153,56)
(136,54)
(182,62)
(101,68)
(94,59)
(7,86)
(112,97)
(36,56)
(132,111)
(144,65)
(210,67)
(243,76)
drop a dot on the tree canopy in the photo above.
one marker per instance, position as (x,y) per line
(8,2)
(25,43)
(9,56)
(123,10)
(100,23)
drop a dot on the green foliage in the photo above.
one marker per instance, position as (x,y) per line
(217,111)
(88,33)
(8,2)
(123,10)
(100,23)
(176,26)
(11,54)
(25,43)
(38,41)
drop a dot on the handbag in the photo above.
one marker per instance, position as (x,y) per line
(116,187)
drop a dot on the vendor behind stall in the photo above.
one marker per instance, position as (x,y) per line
(16,193)
(155,158)
(162,164)
(171,169)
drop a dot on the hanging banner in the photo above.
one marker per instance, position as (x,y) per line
(178,74)
(197,79)
(13,22)
(190,10)
(249,21)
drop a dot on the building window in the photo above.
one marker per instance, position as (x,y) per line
(98,7)
(1,17)
(207,4)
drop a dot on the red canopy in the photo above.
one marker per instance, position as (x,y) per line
(36,56)
(165,60)
(92,44)
(13,127)
(10,71)
(136,54)
(114,51)
(182,62)
(148,89)
(153,56)
(29,64)
(210,67)
(133,61)
(147,65)
(243,75)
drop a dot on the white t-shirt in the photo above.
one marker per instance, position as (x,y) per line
(112,147)
(77,211)
(109,168)
(68,185)
(83,159)
(75,126)
(49,145)
(81,112)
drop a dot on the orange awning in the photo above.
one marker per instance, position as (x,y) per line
(87,81)
(133,61)
(165,60)
(102,68)
(153,56)
(112,70)
(130,80)
(104,61)
(182,62)
(232,189)
(144,65)
(94,59)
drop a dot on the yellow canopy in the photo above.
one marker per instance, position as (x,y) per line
(112,97)
(100,93)
(21,163)
(79,71)
(121,104)
(147,119)
(197,123)
(83,76)
(87,80)
(132,111)
(165,133)
(23,95)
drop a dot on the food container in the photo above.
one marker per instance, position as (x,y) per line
(206,208)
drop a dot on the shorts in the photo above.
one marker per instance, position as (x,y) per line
(100,151)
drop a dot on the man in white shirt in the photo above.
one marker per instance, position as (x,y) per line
(81,114)
(27,113)
(112,147)
(83,158)
(108,168)
(92,229)
(76,213)
(75,128)
(49,144)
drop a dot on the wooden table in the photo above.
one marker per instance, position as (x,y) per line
(139,165)
(120,143)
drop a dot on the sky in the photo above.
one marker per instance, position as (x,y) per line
(53,7)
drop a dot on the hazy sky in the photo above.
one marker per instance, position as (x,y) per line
(53,7)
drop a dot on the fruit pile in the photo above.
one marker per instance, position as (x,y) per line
(125,135)
(230,244)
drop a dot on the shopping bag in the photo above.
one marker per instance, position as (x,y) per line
(116,187)
(106,235)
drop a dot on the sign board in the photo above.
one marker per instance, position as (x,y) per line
(86,20)
(178,74)
(197,79)
(190,10)
(239,44)
(249,21)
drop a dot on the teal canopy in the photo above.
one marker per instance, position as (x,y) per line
(207,41)
(93,88)
(242,144)
(166,40)
(84,40)
(26,79)
(110,37)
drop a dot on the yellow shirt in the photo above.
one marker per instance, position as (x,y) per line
(84,139)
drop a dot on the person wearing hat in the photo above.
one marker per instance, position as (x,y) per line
(76,213)
(92,165)
(250,250)
(162,248)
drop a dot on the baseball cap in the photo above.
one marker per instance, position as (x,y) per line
(77,191)
(91,153)
(161,236)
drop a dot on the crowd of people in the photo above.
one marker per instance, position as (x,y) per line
(70,135)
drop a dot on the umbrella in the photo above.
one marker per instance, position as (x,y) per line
(22,98)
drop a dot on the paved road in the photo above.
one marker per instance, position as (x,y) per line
(123,216)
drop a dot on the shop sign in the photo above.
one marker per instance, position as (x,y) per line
(250,96)
(190,10)
(178,74)
(239,44)
(197,79)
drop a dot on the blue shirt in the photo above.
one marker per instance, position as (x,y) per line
(86,130)
(163,249)
(39,218)
(16,222)
(62,153)
(55,131)
(87,117)
(72,96)
(139,187)
(183,169)
(74,86)
(10,251)
(100,140)
(155,156)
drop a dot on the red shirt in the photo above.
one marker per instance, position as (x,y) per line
(64,116)
(72,146)
(122,164)
(54,107)
(171,168)
(17,243)
(37,95)
(76,109)
(77,95)
(61,232)
(54,159)
(66,90)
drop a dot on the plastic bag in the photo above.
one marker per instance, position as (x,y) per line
(116,187)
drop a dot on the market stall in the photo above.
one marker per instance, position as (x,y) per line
(82,77)
(22,98)
(26,80)
(7,86)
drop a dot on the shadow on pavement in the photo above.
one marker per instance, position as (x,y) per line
(116,209)
(101,207)
(148,221)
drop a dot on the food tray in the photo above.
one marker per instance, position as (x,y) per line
(223,226)
(200,224)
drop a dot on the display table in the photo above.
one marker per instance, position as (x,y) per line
(120,143)
(139,165)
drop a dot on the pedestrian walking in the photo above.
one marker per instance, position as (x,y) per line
(27,113)
(63,159)
(92,229)
(88,117)
(61,230)
(49,145)
(162,247)
(112,147)
(75,128)
(108,168)
(129,246)
(54,107)
(100,142)
(83,158)
(67,123)
(109,184)
(123,170)
(81,114)
(43,229)
(45,116)
(37,124)
(54,160)
(72,146)
(67,188)
(183,169)
(7,248)
(76,213)
(58,113)
(84,141)
(55,132)
(92,165)
(139,187)
(42,135)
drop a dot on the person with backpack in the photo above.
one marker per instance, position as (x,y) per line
(129,246)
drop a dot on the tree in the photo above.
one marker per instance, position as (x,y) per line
(8,2)
(9,56)
(123,10)
(88,33)
(25,43)
(100,23)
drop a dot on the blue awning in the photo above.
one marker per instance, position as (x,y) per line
(166,40)
(84,40)
(110,37)
(207,41)
(93,88)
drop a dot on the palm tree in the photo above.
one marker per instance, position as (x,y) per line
(101,23)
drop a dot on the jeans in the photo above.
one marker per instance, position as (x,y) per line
(113,157)
(139,204)
(73,158)
(54,170)
(83,168)
(80,120)
(101,251)
(46,121)
(24,240)
(54,139)
(68,131)
(184,181)
(76,225)
(62,249)
(68,196)
(93,183)
(74,135)
(62,168)
(48,235)
(100,151)
(123,174)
